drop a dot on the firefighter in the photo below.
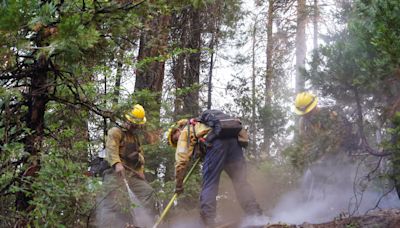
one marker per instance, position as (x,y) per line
(324,142)
(224,154)
(125,156)
(321,130)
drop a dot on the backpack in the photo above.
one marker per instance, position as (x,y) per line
(98,165)
(223,125)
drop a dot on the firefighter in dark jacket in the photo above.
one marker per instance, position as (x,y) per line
(321,130)
(125,155)
(224,154)
(324,143)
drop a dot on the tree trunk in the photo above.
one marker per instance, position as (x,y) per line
(253,132)
(301,47)
(118,77)
(153,47)
(179,32)
(268,78)
(192,74)
(315,23)
(37,100)
(210,72)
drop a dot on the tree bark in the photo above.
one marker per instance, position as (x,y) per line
(315,23)
(37,99)
(268,78)
(192,74)
(301,47)
(153,47)
(210,72)
(253,132)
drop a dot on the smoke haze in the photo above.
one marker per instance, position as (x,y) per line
(331,189)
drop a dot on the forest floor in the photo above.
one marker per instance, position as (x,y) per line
(388,218)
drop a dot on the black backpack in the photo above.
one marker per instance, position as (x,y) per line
(97,166)
(223,125)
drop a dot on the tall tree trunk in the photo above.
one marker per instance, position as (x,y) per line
(253,132)
(178,70)
(37,100)
(301,47)
(192,74)
(214,29)
(179,32)
(105,105)
(315,23)
(268,78)
(210,72)
(118,77)
(153,44)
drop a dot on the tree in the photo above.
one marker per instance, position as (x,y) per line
(49,50)
(359,68)
(269,75)
(152,55)
(301,46)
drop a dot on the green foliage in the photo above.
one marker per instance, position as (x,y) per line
(364,56)
(44,16)
(394,146)
(74,36)
(64,195)
(15,14)
(293,153)
(360,65)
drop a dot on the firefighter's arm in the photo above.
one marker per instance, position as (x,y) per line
(112,146)
(182,157)
(202,130)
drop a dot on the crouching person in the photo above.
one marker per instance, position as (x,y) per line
(128,200)
(225,153)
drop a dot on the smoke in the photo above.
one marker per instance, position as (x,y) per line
(327,190)
(110,212)
(331,189)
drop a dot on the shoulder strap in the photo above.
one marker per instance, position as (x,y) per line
(123,136)
(194,133)
(188,137)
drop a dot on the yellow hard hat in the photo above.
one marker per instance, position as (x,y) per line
(304,103)
(172,130)
(136,115)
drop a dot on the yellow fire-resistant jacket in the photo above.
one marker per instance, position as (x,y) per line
(323,132)
(185,147)
(124,146)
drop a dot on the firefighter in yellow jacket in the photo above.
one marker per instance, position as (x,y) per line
(324,143)
(224,154)
(125,155)
(322,131)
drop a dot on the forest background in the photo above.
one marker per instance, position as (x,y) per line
(68,69)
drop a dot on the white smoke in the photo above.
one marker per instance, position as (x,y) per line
(331,189)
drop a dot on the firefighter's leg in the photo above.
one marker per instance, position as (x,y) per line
(111,204)
(236,169)
(212,168)
(145,193)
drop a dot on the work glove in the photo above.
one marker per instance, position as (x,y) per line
(119,169)
(205,143)
(179,189)
(179,176)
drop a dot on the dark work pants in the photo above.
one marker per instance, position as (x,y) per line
(225,154)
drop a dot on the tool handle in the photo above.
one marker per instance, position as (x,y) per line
(166,209)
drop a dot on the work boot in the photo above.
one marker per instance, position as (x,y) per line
(207,222)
